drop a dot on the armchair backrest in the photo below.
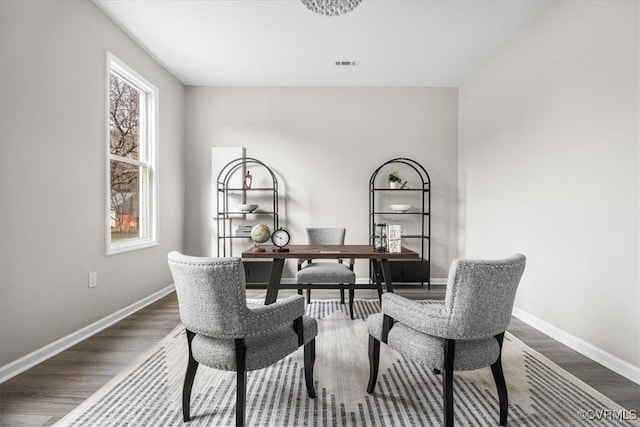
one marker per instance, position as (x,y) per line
(325,235)
(480,295)
(211,294)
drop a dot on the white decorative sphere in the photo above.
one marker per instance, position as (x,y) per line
(260,233)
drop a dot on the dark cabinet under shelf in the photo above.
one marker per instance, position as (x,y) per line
(257,273)
(404,271)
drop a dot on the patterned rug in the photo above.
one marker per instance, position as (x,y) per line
(148,391)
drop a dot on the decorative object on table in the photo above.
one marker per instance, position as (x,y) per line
(400,208)
(464,332)
(246,182)
(260,234)
(247,208)
(380,237)
(281,238)
(394,234)
(395,182)
(331,7)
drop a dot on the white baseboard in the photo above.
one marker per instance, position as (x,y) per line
(20,365)
(598,355)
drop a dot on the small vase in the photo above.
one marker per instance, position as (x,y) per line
(394,185)
(246,183)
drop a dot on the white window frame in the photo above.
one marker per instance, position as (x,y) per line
(147,157)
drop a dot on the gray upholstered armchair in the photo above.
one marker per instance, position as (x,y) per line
(327,274)
(224,332)
(463,332)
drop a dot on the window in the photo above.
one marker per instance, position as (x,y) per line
(131,171)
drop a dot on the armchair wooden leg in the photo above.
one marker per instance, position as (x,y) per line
(309,361)
(374,363)
(498,376)
(501,385)
(192,367)
(387,324)
(241,382)
(308,296)
(341,296)
(447,382)
(352,296)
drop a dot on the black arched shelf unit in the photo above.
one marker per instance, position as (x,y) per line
(230,192)
(416,222)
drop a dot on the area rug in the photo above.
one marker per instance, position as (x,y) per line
(148,391)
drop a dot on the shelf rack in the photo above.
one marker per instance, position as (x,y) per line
(405,271)
(228,189)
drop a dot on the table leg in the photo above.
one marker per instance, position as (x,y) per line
(386,272)
(378,275)
(274,281)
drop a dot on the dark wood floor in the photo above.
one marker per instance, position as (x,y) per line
(45,393)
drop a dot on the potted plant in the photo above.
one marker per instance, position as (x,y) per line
(395,181)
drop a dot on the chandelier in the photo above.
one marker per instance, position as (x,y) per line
(331,7)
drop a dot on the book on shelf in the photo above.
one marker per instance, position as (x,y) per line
(394,235)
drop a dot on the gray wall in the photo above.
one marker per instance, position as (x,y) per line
(52,174)
(549,167)
(324,143)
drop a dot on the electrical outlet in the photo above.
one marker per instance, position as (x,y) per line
(93,279)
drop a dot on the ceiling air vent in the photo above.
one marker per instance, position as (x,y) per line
(346,63)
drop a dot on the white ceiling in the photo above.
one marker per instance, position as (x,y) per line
(282,43)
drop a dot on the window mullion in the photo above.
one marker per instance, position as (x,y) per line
(130,161)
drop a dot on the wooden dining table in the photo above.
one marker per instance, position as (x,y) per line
(379,262)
